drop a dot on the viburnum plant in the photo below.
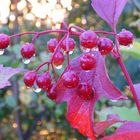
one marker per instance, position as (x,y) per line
(85,79)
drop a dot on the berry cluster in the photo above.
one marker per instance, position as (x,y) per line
(89,40)
(43,81)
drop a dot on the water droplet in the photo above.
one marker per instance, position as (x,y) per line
(71,52)
(87,70)
(28,87)
(26,61)
(59,67)
(130,46)
(87,50)
(36,89)
(1,51)
(95,49)
(114,101)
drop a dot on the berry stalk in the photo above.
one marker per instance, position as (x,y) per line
(37,34)
(62,25)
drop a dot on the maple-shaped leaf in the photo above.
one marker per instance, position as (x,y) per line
(80,111)
(6,73)
(128,131)
(100,127)
(109,10)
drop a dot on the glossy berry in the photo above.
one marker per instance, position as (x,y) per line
(125,37)
(52,43)
(88,39)
(87,61)
(85,91)
(29,78)
(58,59)
(105,45)
(27,50)
(52,93)
(70,79)
(44,81)
(4,41)
(71,44)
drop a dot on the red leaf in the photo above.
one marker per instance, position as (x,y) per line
(109,10)
(80,111)
(128,131)
(5,74)
(100,127)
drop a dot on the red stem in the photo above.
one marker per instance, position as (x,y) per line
(53,69)
(76,27)
(105,32)
(40,66)
(63,24)
(58,47)
(127,76)
(21,34)
(67,50)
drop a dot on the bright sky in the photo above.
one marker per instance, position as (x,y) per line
(50,8)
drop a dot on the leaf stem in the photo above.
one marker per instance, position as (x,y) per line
(125,72)
(127,76)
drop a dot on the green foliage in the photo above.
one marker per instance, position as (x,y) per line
(134,51)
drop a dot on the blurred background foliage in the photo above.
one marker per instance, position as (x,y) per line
(26,115)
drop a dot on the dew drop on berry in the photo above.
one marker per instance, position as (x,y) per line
(71,52)
(95,49)
(58,67)
(1,51)
(114,101)
(130,46)
(36,89)
(28,87)
(26,61)
(85,49)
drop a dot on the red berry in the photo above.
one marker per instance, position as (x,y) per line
(4,41)
(88,39)
(87,61)
(52,43)
(44,81)
(125,37)
(85,91)
(52,93)
(70,79)
(105,45)
(71,44)
(58,59)
(27,50)
(29,78)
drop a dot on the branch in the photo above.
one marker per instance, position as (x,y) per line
(15,91)
(127,76)
(31,128)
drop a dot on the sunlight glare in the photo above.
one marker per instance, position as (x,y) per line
(4,10)
(21,5)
